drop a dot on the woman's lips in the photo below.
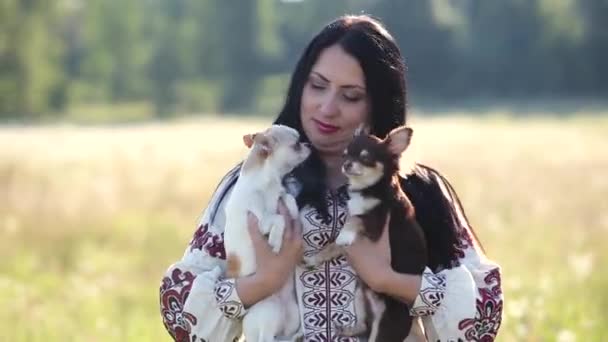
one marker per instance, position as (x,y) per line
(325,128)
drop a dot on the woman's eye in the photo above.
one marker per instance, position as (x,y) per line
(352,98)
(317,86)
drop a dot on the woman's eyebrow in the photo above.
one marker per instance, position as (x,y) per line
(319,75)
(348,86)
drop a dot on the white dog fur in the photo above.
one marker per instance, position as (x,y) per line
(274,153)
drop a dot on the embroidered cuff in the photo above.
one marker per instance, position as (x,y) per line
(432,291)
(228,300)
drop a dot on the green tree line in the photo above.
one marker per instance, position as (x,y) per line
(236,56)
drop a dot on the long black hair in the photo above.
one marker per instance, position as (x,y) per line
(376,51)
(368,41)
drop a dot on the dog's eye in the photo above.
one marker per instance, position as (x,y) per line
(365,157)
(296,147)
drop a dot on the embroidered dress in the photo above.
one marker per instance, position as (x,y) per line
(197,303)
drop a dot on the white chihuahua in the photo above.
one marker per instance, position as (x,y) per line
(274,153)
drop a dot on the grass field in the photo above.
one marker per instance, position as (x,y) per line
(90,217)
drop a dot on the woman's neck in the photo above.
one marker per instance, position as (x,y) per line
(334,178)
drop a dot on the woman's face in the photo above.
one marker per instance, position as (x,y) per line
(334,101)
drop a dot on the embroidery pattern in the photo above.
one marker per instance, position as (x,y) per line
(227,299)
(328,289)
(174,291)
(430,297)
(209,242)
(484,327)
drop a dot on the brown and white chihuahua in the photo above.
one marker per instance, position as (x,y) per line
(375,197)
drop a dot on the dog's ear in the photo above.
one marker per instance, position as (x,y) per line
(248,139)
(362,129)
(399,139)
(265,144)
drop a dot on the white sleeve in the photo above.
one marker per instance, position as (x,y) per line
(463,302)
(192,303)
(196,302)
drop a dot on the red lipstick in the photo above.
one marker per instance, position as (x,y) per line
(326,128)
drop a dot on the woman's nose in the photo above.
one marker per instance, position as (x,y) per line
(329,105)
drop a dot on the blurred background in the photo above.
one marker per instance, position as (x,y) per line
(105,60)
(118,118)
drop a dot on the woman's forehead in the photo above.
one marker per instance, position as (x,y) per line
(337,66)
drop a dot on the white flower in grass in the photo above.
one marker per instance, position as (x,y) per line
(513,284)
(545,283)
(566,335)
(581,264)
(517,308)
(521,330)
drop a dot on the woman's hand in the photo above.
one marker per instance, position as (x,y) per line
(272,269)
(371,260)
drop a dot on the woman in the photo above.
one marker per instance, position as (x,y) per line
(352,72)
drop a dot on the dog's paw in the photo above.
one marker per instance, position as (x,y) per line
(292,206)
(275,239)
(299,337)
(349,331)
(346,238)
(340,329)
(309,261)
(275,235)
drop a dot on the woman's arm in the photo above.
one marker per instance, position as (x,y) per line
(461,299)
(372,262)
(277,267)
(190,307)
(197,302)
(459,302)
(404,287)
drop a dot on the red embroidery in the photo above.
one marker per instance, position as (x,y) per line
(209,242)
(227,300)
(484,327)
(174,291)
(464,241)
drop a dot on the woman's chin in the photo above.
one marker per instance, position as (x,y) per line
(329,149)
(330,144)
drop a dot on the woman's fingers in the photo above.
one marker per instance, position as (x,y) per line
(292,245)
(292,237)
(259,242)
(289,233)
(283,208)
(384,239)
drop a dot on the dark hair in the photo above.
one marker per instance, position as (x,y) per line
(374,48)
(438,209)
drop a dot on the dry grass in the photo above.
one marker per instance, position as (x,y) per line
(90,217)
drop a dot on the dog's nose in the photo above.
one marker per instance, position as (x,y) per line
(348,165)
